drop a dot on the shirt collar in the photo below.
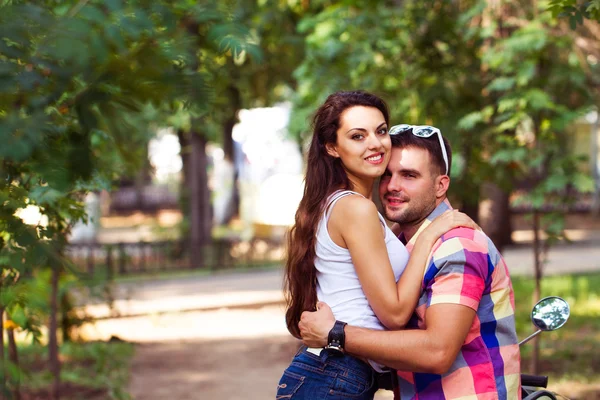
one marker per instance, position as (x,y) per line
(439,210)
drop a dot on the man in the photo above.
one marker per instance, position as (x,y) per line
(465,344)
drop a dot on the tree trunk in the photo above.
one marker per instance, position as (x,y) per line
(466,190)
(138,185)
(65,321)
(184,192)
(14,359)
(235,103)
(200,208)
(2,362)
(537,291)
(52,334)
(494,214)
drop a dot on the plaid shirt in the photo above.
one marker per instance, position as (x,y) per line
(466,268)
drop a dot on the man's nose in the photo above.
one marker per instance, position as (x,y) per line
(394,184)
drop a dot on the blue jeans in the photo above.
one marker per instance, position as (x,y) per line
(331,375)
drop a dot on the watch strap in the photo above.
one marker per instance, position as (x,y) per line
(337,337)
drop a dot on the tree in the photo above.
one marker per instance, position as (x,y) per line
(80,83)
(575,11)
(417,55)
(256,72)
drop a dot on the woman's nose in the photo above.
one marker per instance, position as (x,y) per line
(374,141)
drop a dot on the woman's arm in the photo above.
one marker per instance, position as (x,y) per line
(409,284)
(354,224)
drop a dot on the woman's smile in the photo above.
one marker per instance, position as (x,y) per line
(375,159)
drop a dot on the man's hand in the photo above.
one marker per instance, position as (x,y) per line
(315,326)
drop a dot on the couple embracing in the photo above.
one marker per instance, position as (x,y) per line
(424,308)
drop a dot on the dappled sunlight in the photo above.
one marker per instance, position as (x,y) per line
(201,325)
(526,236)
(159,304)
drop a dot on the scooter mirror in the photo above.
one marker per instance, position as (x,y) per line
(550,313)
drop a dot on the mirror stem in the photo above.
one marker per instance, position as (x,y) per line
(528,338)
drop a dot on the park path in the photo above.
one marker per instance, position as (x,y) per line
(263,287)
(224,336)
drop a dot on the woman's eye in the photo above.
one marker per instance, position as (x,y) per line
(383,131)
(357,137)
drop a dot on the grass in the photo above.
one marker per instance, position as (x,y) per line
(94,370)
(570,356)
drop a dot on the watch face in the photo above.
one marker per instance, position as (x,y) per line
(335,347)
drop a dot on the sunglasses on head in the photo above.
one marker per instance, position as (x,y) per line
(423,131)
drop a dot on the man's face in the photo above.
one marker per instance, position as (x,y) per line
(408,187)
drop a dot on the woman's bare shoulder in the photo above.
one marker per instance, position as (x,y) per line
(354,207)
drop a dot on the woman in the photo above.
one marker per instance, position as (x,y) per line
(340,250)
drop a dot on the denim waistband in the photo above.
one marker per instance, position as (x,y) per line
(337,359)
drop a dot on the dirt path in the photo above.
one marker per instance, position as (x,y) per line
(225,354)
(235,369)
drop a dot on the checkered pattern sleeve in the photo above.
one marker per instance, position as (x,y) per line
(460,272)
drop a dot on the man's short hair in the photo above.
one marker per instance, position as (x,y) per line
(430,144)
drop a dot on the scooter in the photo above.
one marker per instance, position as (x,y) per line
(549,314)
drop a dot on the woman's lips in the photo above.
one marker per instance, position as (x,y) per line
(375,159)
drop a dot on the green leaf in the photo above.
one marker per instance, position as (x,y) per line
(45,195)
(92,14)
(538,99)
(573,22)
(555,183)
(583,183)
(501,84)
(470,120)
(114,5)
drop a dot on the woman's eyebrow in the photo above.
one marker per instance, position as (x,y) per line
(364,130)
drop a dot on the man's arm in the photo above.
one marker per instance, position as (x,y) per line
(454,295)
(431,350)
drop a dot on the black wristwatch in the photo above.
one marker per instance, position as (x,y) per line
(337,337)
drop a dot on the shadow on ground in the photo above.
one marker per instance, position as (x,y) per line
(215,369)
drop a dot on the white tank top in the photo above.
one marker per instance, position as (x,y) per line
(337,282)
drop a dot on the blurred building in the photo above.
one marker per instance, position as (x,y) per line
(270,170)
(270,173)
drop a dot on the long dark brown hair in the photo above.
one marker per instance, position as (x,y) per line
(324,175)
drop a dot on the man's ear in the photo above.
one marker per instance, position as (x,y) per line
(442,185)
(330,147)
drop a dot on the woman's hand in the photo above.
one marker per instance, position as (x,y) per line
(446,222)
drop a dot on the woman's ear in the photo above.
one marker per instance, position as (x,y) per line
(330,147)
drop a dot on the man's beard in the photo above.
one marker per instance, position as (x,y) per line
(414,213)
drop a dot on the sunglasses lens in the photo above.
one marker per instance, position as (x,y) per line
(424,132)
(399,129)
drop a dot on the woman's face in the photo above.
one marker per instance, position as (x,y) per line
(363,143)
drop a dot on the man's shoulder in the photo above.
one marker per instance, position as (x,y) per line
(461,249)
(464,239)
